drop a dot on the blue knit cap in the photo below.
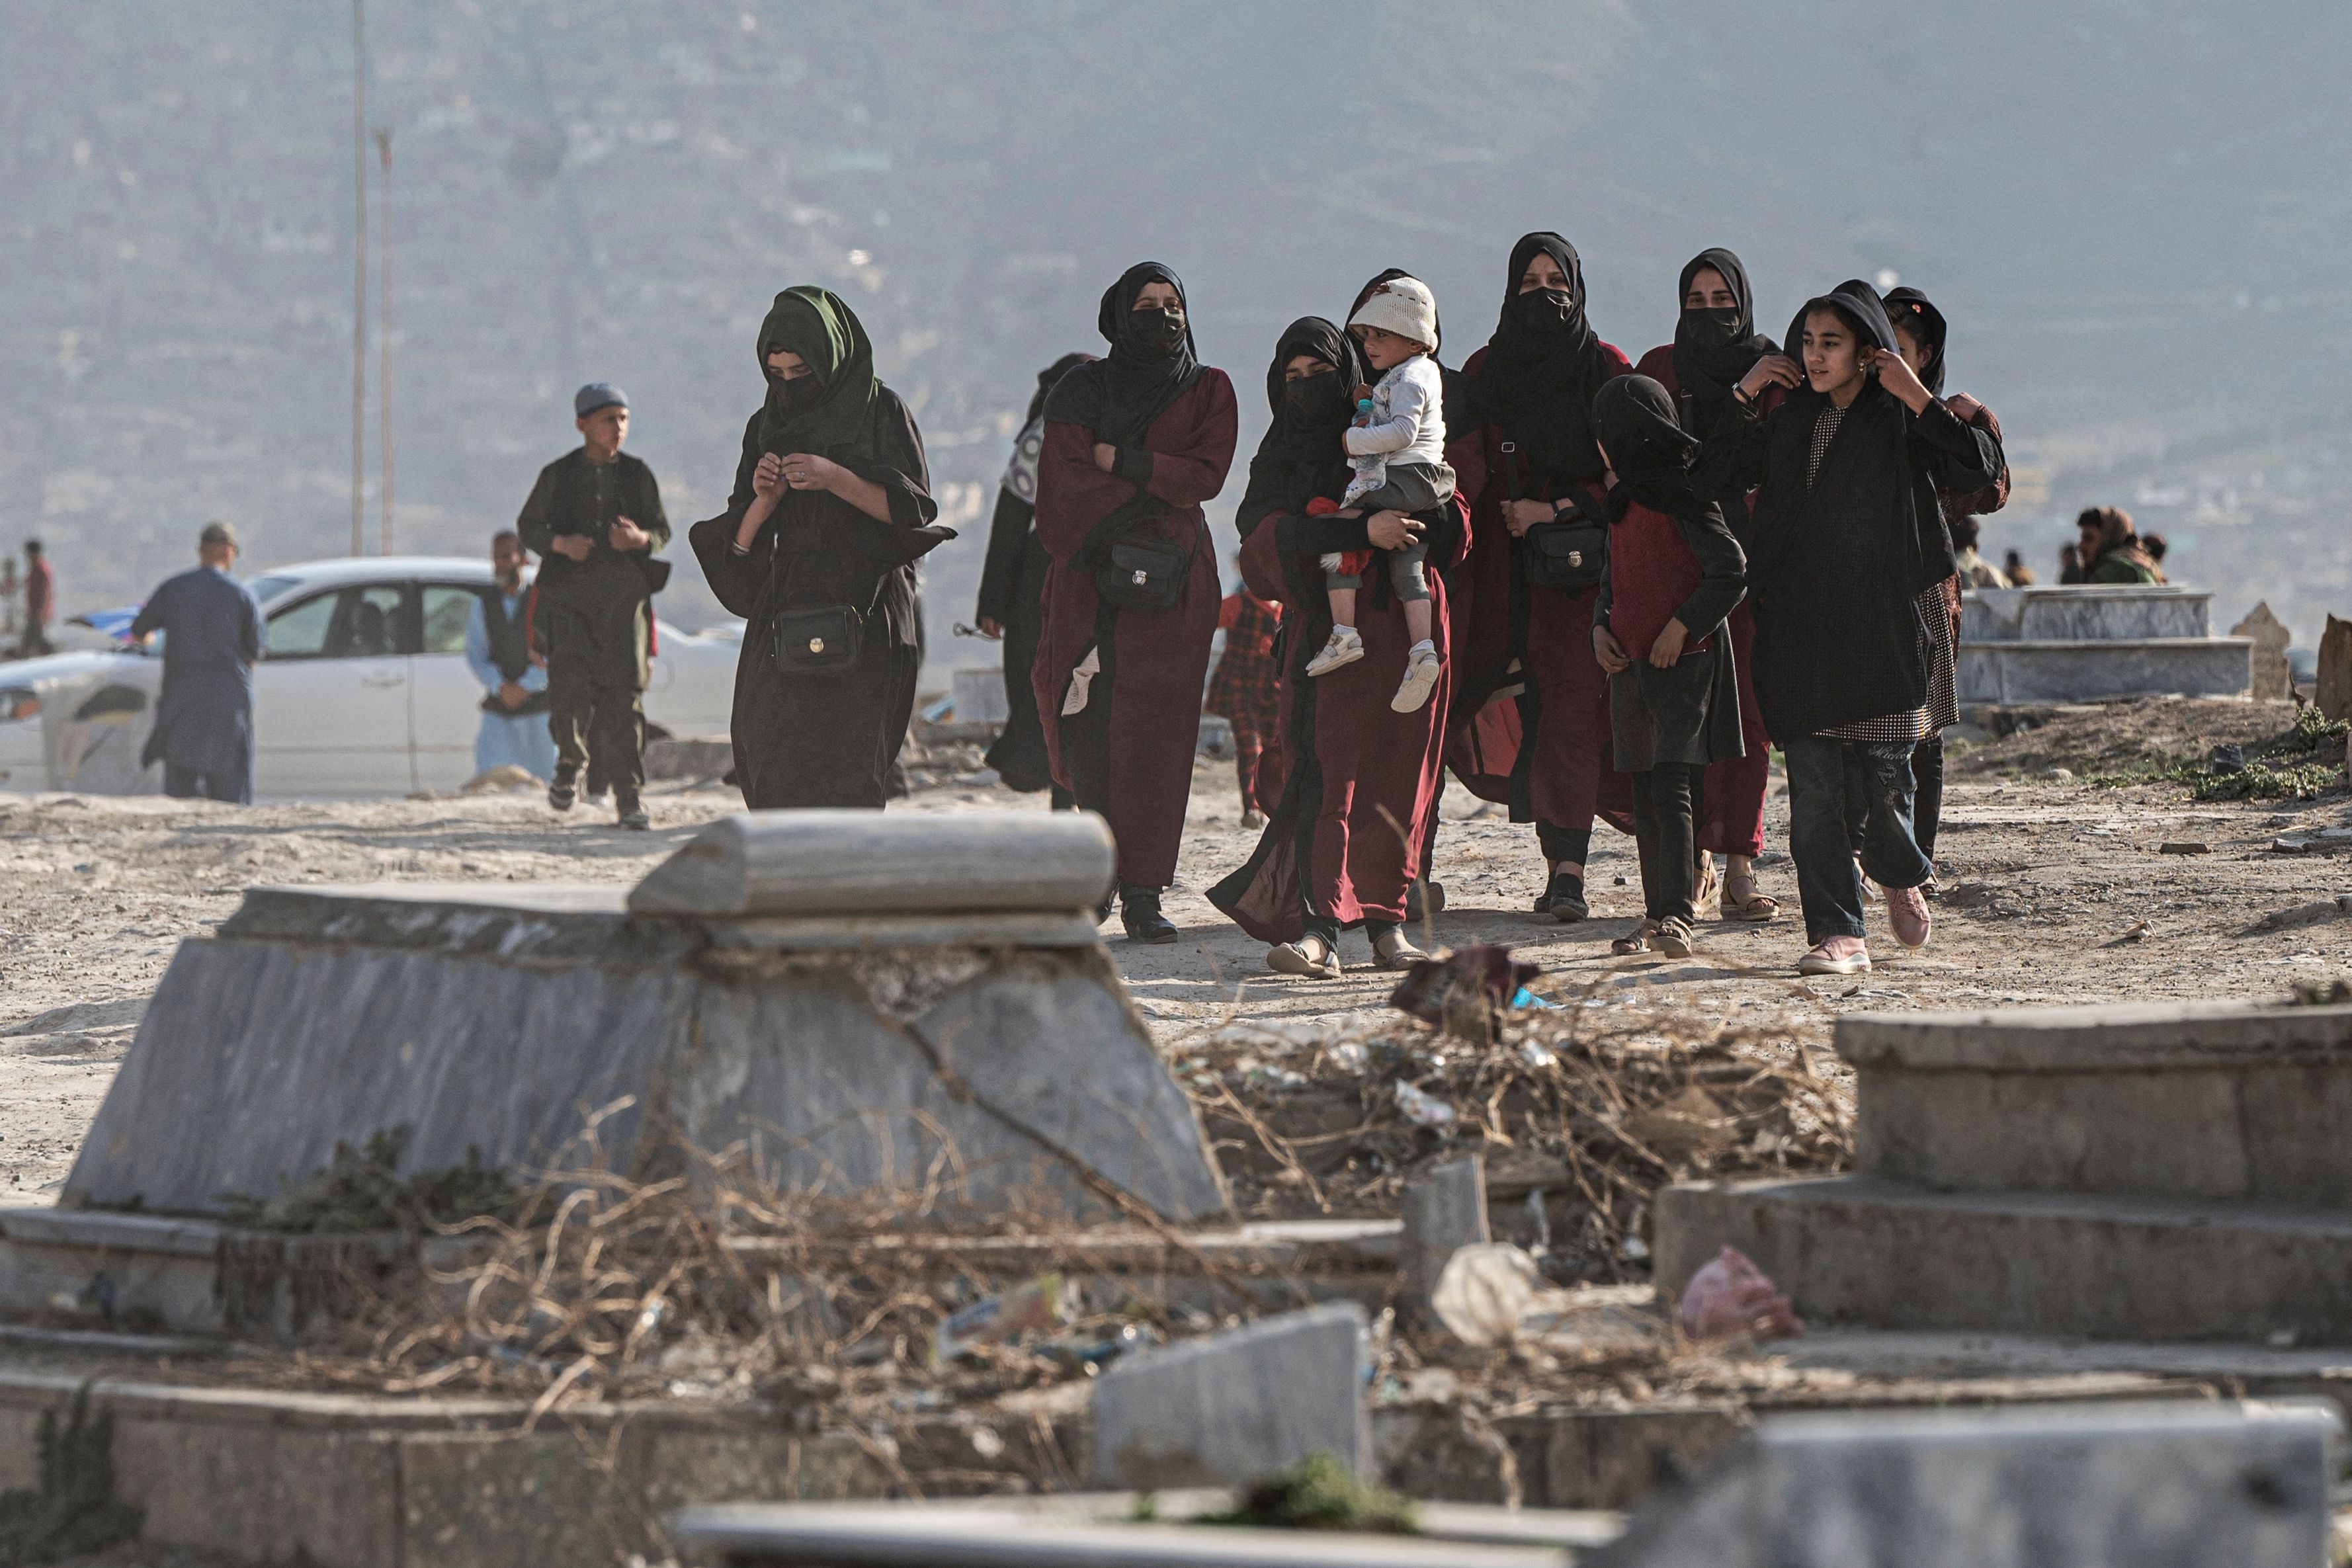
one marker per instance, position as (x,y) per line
(596,395)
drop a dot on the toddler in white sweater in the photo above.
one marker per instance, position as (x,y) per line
(1397,448)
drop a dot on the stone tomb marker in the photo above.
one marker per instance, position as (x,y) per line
(2272,681)
(1231,1409)
(2186,1484)
(850,992)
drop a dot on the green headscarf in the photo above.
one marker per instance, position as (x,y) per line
(826,334)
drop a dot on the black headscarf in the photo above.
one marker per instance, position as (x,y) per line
(1713,349)
(1648,451)
(1911,310)
(835,413)
(1048,378)
(1300,456)
(1119,397)
(1855,300)
(1459,407)
(1543,366)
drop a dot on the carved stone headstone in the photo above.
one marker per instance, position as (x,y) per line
(2272,683)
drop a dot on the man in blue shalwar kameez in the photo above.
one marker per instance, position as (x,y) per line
(213,636)
(497,649)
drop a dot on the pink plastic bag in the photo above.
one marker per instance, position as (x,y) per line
(1731,1296)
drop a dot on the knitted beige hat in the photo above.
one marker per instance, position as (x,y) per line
(1403,306)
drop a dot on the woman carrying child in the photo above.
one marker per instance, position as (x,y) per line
(1674,573)
(1715,343)
(1836,565)
(1538,511)
(1342,846)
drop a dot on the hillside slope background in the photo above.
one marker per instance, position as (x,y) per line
(2130,210)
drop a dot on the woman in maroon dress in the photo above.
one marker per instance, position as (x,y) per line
(1343,845)
(1134,444)
(1545,744)
(1715,343)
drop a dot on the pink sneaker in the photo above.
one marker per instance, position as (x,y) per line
(1836,955)
(1907,911)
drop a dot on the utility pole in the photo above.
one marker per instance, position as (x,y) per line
(359,277)
(383,343)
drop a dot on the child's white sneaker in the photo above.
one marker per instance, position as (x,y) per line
(1421,670)
(1343,647)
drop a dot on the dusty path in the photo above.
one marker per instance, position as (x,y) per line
(2043,881)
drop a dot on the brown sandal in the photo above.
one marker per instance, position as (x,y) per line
(1756,906)
(1308,958)
(1703,884)
(1638,942)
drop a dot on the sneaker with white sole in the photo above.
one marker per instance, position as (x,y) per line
(1822,960)
(1907,911)
(1344,646)
(1422,669)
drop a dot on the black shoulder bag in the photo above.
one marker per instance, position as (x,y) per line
(1138,570)
(824,641)
(1569,553)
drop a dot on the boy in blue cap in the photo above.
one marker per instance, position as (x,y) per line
(595,519)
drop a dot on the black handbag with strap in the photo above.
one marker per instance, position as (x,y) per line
(1146,573)
(817,642)
(1570,553)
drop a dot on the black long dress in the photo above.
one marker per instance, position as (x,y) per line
(1013,594)
(827,738)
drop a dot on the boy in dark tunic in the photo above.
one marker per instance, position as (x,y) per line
(595,519)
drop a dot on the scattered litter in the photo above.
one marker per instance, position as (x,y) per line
(1731,1296)
(1537,1055)
(1524,997)
(1463,992)
(1422,1110)
(2185,846)
(2227,758)
(998,1320)
(2137,932)
(1484,1291)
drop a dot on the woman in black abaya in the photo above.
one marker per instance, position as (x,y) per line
(816,551)
(1011,596)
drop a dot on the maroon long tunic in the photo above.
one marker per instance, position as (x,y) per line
(1128,754)
(1735,787)
(1561,783)
(1363,778)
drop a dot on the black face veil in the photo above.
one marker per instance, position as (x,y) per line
(1543,366)
(1119,397)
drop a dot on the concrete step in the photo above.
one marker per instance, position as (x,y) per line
(2054,671)
(2225,1100)
(1862,1250)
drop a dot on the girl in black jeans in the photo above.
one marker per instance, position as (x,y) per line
(1838,554)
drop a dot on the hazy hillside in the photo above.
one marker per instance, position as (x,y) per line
(2132,211)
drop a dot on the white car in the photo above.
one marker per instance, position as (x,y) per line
(364,690)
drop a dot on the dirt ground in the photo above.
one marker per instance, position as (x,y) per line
(2052,891)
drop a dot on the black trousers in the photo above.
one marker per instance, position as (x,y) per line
(1664,836)
(596,648)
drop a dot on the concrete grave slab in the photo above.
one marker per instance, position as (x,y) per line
(1231,1409)
(2173,1485)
